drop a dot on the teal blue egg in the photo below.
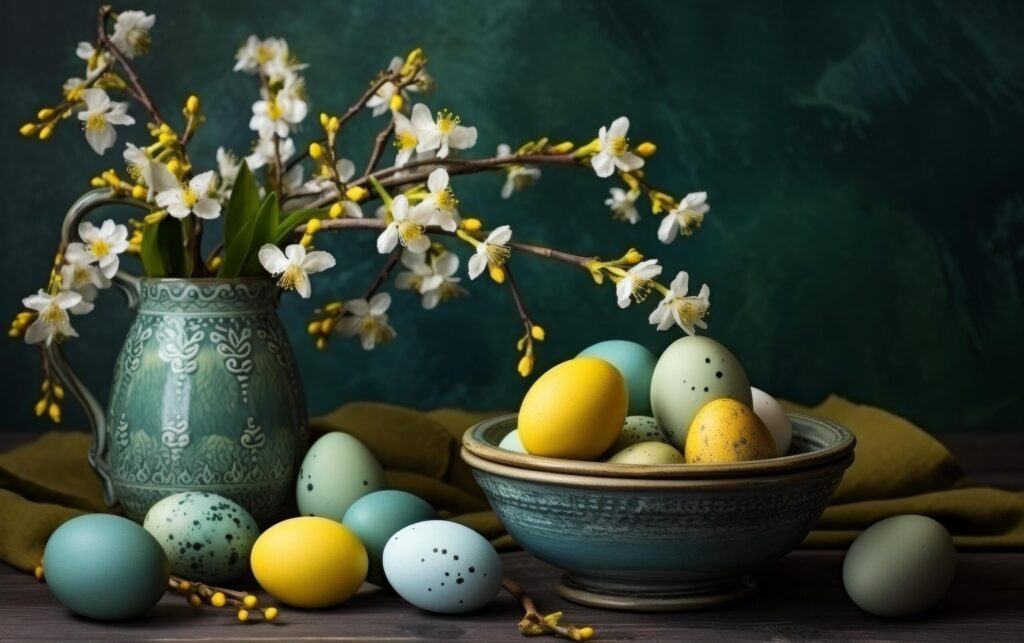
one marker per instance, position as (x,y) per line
(635,363)
(376,517)
(105,567)
(206,537)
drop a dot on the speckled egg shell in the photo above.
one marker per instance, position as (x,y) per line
(207,537)
(378,516)
(337,470)
(690,373)
(443,567)
(638,428)
(511,442)
(635,363)
(774,417)
(648,453)
(727,431)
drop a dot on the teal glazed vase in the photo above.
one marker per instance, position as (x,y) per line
(206,396)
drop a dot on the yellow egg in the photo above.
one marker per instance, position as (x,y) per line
(309,562)
(725,430)
(575,410)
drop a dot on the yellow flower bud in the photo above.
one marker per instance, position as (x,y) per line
(44,113)
(192,104)
(218,599)
(646,149)
(270,613)
(184,586)
(167,138)
(58,391)
(497,274)
(335,211)
(633,257)
(537,332)
(585,633)
(324,119)
(194,600)
(97,182)
(306,241)
(250,601)
(54,412)
(525,366)
(396,103)
(334,307)
(327,325)
(316,151)
(356,193)
(562,148)
(139,192)
(28,129)
(414,56)
(313,226)
(39,572)
(155,217)
(243,615)
(215,262)
(333,125)
(313,328)
(471,225)
(46,132)
(174,166)
(41,407)
(321,343)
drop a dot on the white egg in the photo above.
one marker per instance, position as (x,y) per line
(774,417)
(511,442)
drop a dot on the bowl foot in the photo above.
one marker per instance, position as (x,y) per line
(656,599)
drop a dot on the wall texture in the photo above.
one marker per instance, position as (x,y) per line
(864,162)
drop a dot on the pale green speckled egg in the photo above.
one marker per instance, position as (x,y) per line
(638,428)
(648,453)
(207,537)
(690,373)
(337,470)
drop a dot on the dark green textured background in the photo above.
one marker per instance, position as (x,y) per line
(864,163)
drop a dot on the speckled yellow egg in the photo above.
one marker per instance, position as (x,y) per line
(648,453)
(309,562)
(575,410)
(725,430)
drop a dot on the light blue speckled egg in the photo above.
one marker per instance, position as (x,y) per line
(377,516)
(206,537)
(443,567)
(337,470)
(636,429)
(635,363)
(105,567)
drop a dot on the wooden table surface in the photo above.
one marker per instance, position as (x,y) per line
(800,598)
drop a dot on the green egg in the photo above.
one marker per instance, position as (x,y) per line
(105,567)
(376,517)
(337,470)
(648,453)
(638,428)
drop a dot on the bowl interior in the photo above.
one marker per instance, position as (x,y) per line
(815,441)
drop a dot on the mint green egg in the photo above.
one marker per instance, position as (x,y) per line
(105,567)
(635,363)
(337,470)
(378,516)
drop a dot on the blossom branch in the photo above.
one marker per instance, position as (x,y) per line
(517,297)
(384,273)
(462,166)
(138,92)
(534,623)
(378,147)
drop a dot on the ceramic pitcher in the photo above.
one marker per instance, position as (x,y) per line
(206,394)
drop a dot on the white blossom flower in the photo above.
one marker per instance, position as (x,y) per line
(99,245)
(73,88)
(368,319)
(131,32)
(517,177)
(94,58)
(270,57)
(265,151)
(637,282)
(153,174)
(677,307)
(277,114)
(406,226)
(191,198)
(294,265)
(614,150)
(440,206)
(380,102)
(623,204)
(435,281)
(53,321)
(685,217)
(491,252)
(85,279)
(406,139)
(99,117)
(441,135)
(228,166)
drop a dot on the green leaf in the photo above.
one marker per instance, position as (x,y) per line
(162,252)
(264,232)
(243,205)
(286,228)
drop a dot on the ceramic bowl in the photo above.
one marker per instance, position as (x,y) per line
(659,538)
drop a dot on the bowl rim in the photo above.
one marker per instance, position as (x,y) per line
(482,452)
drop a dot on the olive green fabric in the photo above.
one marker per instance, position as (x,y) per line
(899,469)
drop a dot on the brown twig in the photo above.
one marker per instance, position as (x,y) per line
(385,271)
(138,91)
(197,594)
(517,297)
(535,624)
(461,166)
(378,147)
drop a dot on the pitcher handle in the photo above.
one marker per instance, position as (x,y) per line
(59,366)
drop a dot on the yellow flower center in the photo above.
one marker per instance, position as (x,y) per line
(446,121)
(74,94)
(373,325)
(99,248)
(446,199)
(290,277)
(134,171)
(691,309)
(139,40)
(497,255)
(275,112)
(690,221)
(189,196)
(264,54)
(53,314)
(618,145)
(640,287)
(80,276)
(409,231)
(447,290)
(405,140)
(96,121)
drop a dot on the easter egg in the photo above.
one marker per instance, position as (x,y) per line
(105,567)
(648,453)
(309,562)
(727,431)
(899,566)
(443,567)
(337,470)
(376,517)
(690,373)
(638,428)
(575,410)
(636,365)
(774,417)
(206,537)
(511,442)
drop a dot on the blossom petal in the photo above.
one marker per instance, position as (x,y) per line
(477,263)
(318,261)
(447,264)
(346,169)
(421,117)
(302,285)
(438,180)
(380,303)
(629,162)
(603,164)
(500,235)
(272,259)
(419,244)
(668,229)
(388,239)
(39,301)
(206,208)
(76,253)
(620,127)
(101,139)
(462,138)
